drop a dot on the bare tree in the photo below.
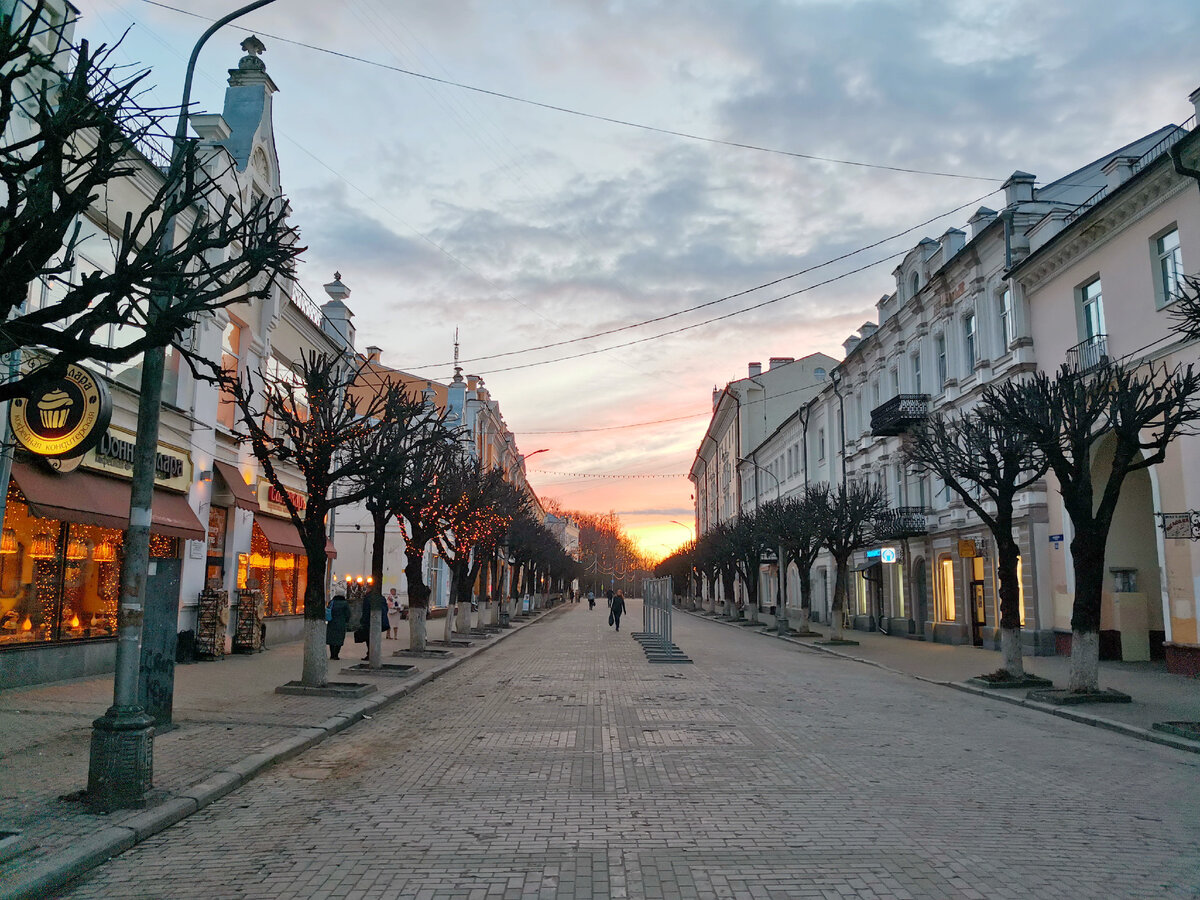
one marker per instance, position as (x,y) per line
(847,515)
(794,526)
(65,139)
(1139,411)
(406,426)
(476,512)
(1185,310)
(747,540)
(310,419)
(987,463)
(418,500)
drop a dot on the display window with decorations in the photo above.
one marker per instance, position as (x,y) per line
(60,580)
(279,572)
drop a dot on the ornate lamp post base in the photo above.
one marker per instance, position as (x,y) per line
(121,767)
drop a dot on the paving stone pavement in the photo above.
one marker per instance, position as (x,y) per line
(562,764)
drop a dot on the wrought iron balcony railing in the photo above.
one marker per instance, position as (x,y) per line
(901,522)
(1089,354)
(896,415)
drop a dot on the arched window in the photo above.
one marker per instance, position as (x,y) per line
(914,284)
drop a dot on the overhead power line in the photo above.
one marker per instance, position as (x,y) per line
(595,116)
(681,329)
(620,475)
(619,427)
(707,303)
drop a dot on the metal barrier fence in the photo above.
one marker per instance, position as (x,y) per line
(657,598)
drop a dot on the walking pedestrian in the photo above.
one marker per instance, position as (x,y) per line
(395,614)
(337,620)
(618,607)
(591,600)
(609,594)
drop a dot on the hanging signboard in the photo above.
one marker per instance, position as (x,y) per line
(967,549)
(64,418)
(1181,526)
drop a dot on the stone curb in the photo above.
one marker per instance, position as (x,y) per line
(61,869)
(1133,731)
(85,854)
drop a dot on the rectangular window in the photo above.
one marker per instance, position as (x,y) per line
(821,444)
(1007,325)
(1092,301)
(946,582)
(1169,269)
(916,371)
(231,347)
(894,376)
(939,344)
(969,343)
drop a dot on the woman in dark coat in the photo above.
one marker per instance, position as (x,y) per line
(336,624)
(618,607)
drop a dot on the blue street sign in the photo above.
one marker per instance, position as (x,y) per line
(1056,538)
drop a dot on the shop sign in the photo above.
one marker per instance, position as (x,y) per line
(967,549)
(887,554)
(113,454)
(271,500)
(64,418)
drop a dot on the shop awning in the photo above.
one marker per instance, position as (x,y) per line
(243,494)
(91,499)
(282,535)
(869,564)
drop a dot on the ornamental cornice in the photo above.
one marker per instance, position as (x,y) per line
(1101,224)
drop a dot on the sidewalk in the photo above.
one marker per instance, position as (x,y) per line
(229,725)
(1157,695)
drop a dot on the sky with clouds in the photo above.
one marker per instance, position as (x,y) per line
(522,226)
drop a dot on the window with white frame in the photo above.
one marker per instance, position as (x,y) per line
(1168,269)
(1091,300)
(915,361)
(939,346)
(968,326)
(894,379)
(821,444)
(1004,312)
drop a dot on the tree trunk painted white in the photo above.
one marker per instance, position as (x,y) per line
(375,638)
(416,628)
(752,612)
(451,612)
(463,625)
(316,667)
(1085,661)
(805,620)
(1010,652)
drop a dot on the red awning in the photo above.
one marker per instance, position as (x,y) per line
(243,494)
(283,536)
(91,499)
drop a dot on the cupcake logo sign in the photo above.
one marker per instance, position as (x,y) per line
(64,418)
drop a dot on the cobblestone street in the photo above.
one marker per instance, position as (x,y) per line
(562,764)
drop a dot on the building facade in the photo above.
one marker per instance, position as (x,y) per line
(964,313)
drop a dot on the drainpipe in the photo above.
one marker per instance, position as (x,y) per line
(1180,167)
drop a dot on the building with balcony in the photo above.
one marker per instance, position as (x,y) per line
(1099,284)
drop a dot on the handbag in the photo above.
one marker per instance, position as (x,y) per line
(611,619)
(360,635)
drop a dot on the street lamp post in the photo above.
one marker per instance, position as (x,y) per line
(121,761)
